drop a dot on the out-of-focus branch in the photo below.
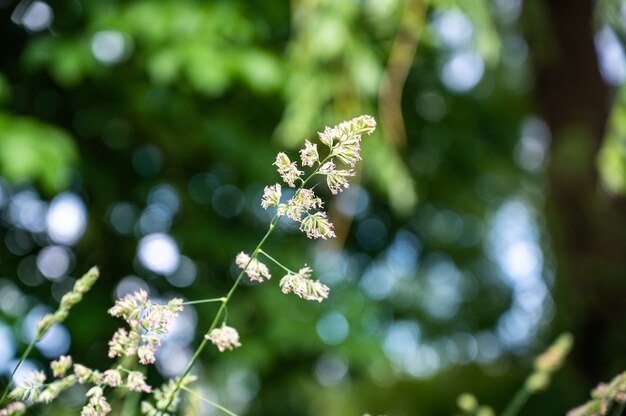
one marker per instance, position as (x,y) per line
(397,70)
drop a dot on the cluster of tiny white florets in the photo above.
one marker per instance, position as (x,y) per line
(336,179)
(37,390)
(303,286)
(309,155)
(344,144)
(97,404)
(344,140)
(148,323)
(271,196)
(224,338)
(287,169)
(256,270)
(303,201)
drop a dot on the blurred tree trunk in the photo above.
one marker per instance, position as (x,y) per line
(588,227)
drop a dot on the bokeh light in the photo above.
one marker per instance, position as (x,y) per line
(66,219)
(159,253)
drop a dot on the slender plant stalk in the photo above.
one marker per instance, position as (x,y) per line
(226,299)
(279,264)
(22,358)
(217,406)
(218,316)
(517,402)
(193,302)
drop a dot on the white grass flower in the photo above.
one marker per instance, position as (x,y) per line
(317,226)
(288,170)
(130,306)
(302,201)
(271,196)
(60,366)
(256,270)
(31,388)
(336,179)
(344,140)
(147,321)
(82,373)
(146,352)
(98,405)
(224,338)
(328,136)
(364,124)
(113,378)
(86,375)
(309,154)
(348,150)
(303,286)
(123,343)
(136,381)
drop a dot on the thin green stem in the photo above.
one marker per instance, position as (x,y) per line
(22,358)
(315,171)
(217,406)
(518,401)
(194,302)
(220,311)
(225,315)
(277,262)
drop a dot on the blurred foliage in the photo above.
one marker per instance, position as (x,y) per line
(612,157)
(118,101)
(32,150)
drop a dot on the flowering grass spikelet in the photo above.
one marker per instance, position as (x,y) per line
(86,375)
(308,154)
(224,338)
(303,286)
(122,344)
(344,140)
(136,381)
(55,388)
(271,196)
(31,388)
(348,150)
(303,201)
(336,179)
(97,405)
(147,322)
(112,378)
(288,170)
(60,366)
(256,270)
(317,226)
(130,306)
(68,300)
